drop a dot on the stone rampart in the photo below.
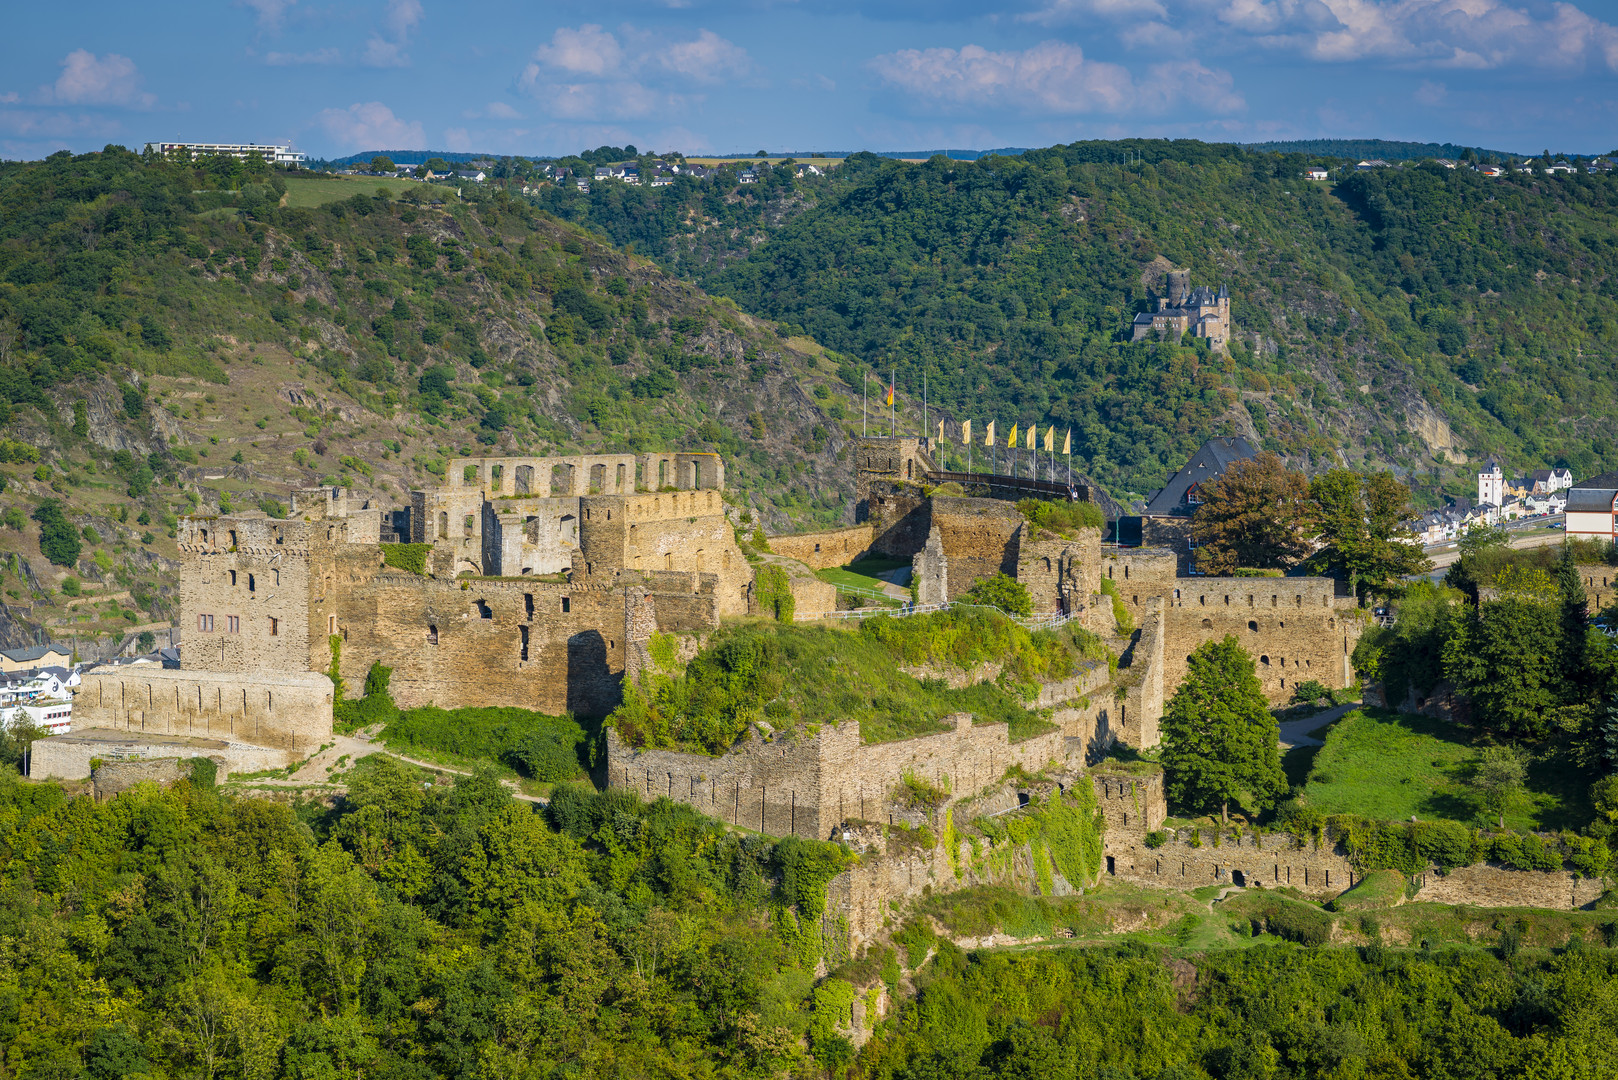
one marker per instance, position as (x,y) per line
(825,549)
(1496,886)
(1060,574)
(980,538)
(808,784)
(289,712)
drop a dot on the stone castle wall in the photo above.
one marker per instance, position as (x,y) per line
(825,549)
(810,784)
(1295,628)
(980,538)
(290,712)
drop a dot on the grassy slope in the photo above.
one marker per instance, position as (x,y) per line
(1392,766)
(288,331)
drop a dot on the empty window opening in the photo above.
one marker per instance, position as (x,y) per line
(523,480)
(484,610)
(622,473)
(1207,624)
(466,525)
(817,550)
(1022,798)
(331,624)
(1203,600)
(497,473)
(275,579)
(279,539)
(232,574)
(432,635)
(569,529)
(668,562)
(469,476)
(204,533)
(662,474)
(567,604)
(1265,660)
(1252,624)
(443,524)
(1238,879)
(528,603)
(233,538)
(1126,571)
(1112,865)
(252,583)
(598,479)
(523,633)
(1135,599)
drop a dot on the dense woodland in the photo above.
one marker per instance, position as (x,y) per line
(1360,305)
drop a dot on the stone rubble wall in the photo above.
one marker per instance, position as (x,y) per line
(826,549)
(289,712)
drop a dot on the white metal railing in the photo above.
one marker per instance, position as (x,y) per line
(1048,621)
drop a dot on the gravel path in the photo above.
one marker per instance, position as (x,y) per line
(1295,733)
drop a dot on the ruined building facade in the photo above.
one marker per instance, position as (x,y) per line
(530,566)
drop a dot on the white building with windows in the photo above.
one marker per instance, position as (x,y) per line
(274,155)
(1492,484)
(1592,508)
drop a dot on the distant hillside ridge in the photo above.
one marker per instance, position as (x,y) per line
(1386,149)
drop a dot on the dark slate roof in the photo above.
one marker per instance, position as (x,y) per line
(34,652)
(1206,464)
(1595,494)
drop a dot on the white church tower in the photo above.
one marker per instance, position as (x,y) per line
(1491,484)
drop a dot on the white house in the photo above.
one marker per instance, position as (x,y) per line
(1545,481)
(54,716)
(1317,173)
(1590,507)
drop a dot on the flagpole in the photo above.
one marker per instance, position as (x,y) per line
(924,401)
(893,401)
(865,404)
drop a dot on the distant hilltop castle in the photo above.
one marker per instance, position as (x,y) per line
(1202,311)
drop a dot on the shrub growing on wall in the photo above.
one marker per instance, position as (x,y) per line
(774,591)
(410,557)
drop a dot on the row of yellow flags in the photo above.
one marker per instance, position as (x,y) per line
(1031,435)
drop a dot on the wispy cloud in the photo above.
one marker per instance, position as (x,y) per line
(271,13)
(386,47)
(317,56)
(371,126)
(88,79)
(589,73)
(1052,78)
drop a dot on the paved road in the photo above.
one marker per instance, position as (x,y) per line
(1295,733)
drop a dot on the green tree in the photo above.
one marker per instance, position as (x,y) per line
(1006,593)
(1359,523)
(1255,515)
(81,420)
(58,539)
(1220,742)
(1497,780)
(1503,657)
(382,164)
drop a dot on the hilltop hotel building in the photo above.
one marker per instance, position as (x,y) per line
(274,155)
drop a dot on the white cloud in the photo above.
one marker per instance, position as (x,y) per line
(271,13)
(1482,34)
(371,126)
(500,110)
(1063,11)
(589,50)
(10,98)
(708,58)
(458,139)
(1431,93)
(318,56)
(87,79)
(402,17)
(1051,78)
(586,73)
(386,49)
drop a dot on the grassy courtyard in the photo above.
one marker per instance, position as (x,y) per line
(1394,766)
(863,574)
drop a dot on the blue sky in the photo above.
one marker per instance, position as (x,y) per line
(339,76)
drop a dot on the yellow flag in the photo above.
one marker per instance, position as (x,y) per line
(1050,439)
(941,431)
(966,433)
(1067,443)
(988,434)
(890,395)
(1011,441)
(1032,431)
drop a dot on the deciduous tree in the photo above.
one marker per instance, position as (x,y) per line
(1257,514)
(1359,525)
(1220,743)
